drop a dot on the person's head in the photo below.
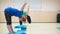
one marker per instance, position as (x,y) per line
(24,18)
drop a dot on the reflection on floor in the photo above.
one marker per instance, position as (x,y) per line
(34,28)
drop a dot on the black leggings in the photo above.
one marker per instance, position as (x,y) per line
(8,18)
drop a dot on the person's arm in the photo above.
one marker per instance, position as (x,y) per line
(28,10)
(23,6)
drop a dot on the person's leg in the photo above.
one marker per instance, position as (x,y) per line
(29,19)
(9,25)
(20,21)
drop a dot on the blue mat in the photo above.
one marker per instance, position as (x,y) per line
(18,26)
(9,33)
(22,31)
(21,26)
(24,28)
(19,32)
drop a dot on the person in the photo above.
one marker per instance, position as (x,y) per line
(9,12)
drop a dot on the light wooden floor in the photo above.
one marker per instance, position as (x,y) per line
(35,28)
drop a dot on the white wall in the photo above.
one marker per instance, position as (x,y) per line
(50,5)
(34,4)
(59,4)
(5,3)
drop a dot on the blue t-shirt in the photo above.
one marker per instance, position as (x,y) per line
(14,12)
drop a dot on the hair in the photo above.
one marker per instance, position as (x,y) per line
(24,19)
(29,19)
